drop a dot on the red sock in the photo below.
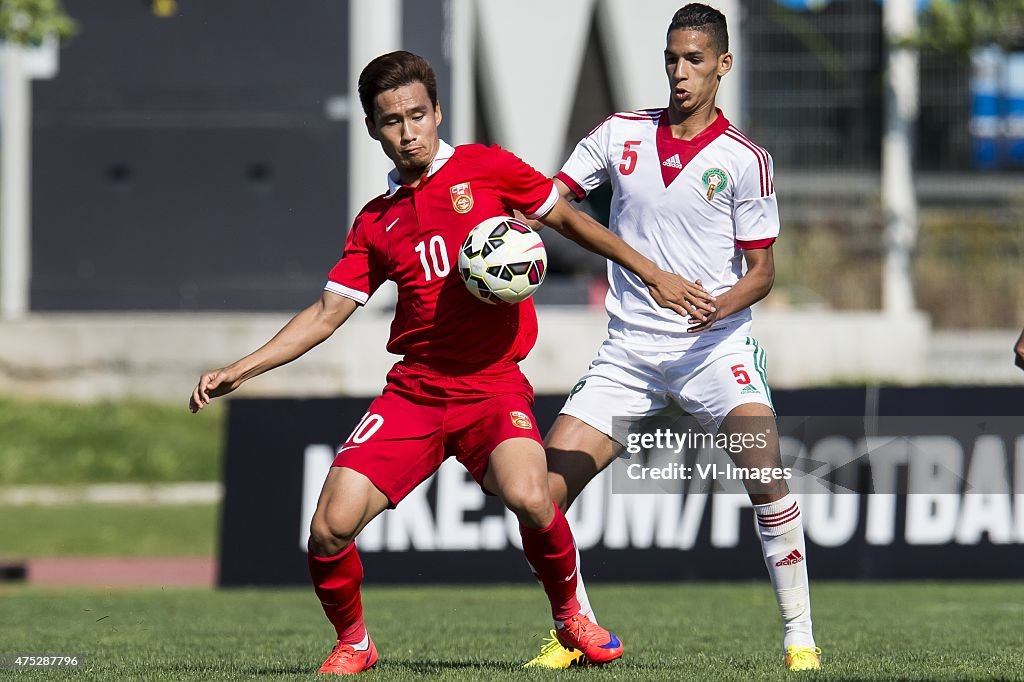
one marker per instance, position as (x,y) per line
(551,552)
(336,581)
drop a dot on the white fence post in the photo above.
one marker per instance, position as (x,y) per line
(899,199)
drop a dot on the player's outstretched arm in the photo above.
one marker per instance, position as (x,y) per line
(751,287)
(307,329)
(1019,350)
(537,225)
(669,290)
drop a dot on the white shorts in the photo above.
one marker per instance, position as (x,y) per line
(707,380)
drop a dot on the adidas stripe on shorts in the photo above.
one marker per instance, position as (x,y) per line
(719,372)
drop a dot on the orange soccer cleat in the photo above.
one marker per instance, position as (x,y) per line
(597,644)
(346,660)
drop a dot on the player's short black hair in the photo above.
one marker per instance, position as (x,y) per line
(393,70)
(700,17)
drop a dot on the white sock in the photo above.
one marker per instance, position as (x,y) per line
(363,645)
(581,591)
(782,543)
(581,595)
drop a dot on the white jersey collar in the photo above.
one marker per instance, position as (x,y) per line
(444,152)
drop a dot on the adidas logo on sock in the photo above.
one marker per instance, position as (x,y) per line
(793,557)
(673,162)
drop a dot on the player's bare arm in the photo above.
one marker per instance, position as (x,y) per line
(306,330)
(669,290)
(748,290)
(563,191)
(1019,350)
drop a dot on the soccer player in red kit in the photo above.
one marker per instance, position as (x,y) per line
(458,390)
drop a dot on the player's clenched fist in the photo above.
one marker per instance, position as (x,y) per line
(212,385)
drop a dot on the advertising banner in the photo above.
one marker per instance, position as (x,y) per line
(898,493)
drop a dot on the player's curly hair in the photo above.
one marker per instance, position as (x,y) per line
(700,17)
(393,70)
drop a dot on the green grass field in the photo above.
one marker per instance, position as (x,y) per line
(870,631)
(108,530)
(54,443)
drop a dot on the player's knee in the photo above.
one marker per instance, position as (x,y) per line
(531,504)
(330,534)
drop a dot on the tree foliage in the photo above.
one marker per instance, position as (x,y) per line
(957,26)
(28,22)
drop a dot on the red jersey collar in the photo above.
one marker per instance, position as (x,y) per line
(444,152)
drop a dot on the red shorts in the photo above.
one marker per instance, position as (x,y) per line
(424,417)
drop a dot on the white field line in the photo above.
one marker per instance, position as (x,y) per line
(113,493)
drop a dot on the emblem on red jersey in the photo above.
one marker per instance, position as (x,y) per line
(714,180)
(462,197)
(520,420)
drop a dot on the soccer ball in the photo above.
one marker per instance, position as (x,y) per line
(502,260)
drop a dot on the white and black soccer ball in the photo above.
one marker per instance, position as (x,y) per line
(502,260)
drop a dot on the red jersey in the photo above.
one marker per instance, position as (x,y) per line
(412,236)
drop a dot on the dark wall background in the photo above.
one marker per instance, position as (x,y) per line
(189,163)
(263,478)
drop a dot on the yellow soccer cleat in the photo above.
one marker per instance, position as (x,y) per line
(802,658)
(555,656)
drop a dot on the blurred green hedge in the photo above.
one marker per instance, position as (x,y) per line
(968,264)
(52,443)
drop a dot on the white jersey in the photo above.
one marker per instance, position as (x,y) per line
(691,206)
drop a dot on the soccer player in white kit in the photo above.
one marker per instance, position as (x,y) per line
(695,195)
